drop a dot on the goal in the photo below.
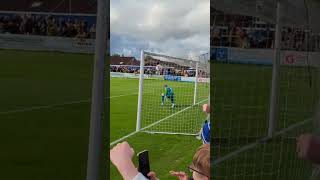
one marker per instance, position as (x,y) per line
(179,111)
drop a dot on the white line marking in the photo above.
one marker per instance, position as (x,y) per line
(32,108)
(122,95)
(155,123)
(123,90)
(43,107)
(254,144)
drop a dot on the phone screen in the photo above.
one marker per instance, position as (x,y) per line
(144,166)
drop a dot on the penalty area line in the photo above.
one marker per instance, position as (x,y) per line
(32,108)
(155,123)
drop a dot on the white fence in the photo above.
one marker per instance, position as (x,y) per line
(46,43)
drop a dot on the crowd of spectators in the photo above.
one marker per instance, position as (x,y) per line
(46,25)
(152,67)
(250,32)
(151,70)
(125,69)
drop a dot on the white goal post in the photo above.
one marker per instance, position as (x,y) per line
(179,113)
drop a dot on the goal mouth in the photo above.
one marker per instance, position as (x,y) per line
(174,108)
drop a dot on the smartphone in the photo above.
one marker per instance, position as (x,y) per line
(144,165)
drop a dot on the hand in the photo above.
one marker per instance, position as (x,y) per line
(121,156)
(303,145)
(308,148)
(180,175)
(121,153)
(152,175)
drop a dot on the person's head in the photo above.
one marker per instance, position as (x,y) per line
(206,108)
(165,86)
(200,166)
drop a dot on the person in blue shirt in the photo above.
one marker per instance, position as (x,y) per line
(204,133)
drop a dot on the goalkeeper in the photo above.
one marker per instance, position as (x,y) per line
(168,92)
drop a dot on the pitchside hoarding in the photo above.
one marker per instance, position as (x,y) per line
(264,56)
(46,43)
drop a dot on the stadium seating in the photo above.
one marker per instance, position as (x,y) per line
(56,6)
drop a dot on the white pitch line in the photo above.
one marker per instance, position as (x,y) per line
(122,95)
(123,90)
(256,143)
(43,107)
(32,108)
(155,123)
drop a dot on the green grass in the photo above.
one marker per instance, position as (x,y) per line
(167,152)
(241,106)
(50,142)
(42,137)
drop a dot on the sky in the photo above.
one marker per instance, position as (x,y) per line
(179,28)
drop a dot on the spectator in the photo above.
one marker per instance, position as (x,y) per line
(45,25)
(204,133)
(200,166)
(258,34)
(93,31)
(308,148)
(1,25)
(81,34)
(121,156)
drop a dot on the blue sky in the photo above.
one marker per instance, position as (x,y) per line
(178,28)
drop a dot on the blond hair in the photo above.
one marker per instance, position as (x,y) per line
(201,160)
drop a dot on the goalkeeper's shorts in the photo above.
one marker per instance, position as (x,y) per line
(171,97)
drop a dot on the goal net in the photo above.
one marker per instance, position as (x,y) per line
(243,53)
(171,93)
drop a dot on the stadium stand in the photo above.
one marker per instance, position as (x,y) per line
(131,65)
(233,30)
(49,18)
(120,60)
(51,25)
(52,6)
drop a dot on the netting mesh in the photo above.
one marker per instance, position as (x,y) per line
(243,54)
(179,111)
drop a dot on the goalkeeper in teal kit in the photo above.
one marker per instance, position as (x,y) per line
(168,94)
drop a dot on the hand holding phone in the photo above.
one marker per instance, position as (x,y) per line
(144,165)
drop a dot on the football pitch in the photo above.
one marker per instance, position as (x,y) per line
(45,112)
(167,152)
(240,126)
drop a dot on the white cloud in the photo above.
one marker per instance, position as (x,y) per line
(127,52)
(179,27)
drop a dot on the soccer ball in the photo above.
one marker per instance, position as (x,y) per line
(162,94)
